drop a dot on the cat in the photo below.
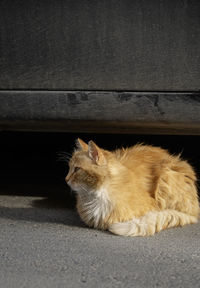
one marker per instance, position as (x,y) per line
(136,191)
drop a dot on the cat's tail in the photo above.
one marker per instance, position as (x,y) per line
(151,223)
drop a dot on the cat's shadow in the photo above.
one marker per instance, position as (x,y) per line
(44,210)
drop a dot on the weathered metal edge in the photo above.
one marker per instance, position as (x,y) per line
(101,111)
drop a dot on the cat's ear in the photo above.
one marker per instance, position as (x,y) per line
(96,154)
(81,145)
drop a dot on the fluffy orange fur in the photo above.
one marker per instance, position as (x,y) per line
(135,191)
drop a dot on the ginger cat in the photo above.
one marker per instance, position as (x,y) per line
(133,192)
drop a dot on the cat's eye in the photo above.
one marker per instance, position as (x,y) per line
(76,169)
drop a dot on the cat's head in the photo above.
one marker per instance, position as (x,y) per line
(88,167)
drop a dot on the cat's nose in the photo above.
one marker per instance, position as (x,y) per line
(67,178)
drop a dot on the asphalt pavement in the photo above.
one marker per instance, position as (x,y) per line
(46,246)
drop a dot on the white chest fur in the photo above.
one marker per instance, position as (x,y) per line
(96,206)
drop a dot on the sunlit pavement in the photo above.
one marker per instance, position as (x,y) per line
(43,246)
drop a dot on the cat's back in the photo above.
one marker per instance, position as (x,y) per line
(140,154)
(149,159)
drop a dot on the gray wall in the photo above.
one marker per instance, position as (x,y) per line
(138,45)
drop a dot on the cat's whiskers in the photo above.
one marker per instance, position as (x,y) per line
(83,188)
(64,156)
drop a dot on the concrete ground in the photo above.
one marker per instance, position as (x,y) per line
(46,246)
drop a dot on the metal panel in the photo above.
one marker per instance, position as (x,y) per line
(100,45)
